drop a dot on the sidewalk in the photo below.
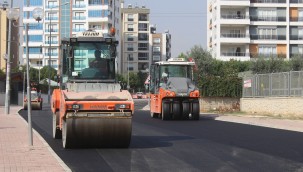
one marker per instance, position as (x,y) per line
(284,124)
(15,152)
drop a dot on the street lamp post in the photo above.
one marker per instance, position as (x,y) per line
(13,15)
(49,49)
(8,67)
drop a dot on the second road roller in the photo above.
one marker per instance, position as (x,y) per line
(90,109)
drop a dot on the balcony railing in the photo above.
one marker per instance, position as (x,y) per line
(268,37)
(296,19)
(52,54)
(229,54)
(53,42)
(267,18)
(233,16)
(267,1)
(296,1)
(51,18)
(53,30)
(268,55)
(79,6)
(79,18)
(296,37)
(233,35)
(78,30)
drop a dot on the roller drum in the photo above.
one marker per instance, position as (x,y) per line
(34,106)
(96,132)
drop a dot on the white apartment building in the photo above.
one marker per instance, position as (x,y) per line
(135,46)
(65,18)
(244,29)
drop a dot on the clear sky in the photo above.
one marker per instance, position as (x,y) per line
(185,20)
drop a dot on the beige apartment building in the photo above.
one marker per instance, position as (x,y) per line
(135,39)
(245,29)
(3,36)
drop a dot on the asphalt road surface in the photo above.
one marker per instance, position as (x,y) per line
(204,145)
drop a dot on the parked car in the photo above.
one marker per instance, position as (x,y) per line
(139,95)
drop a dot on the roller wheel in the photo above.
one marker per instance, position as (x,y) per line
(165,111)
(196,111)
(185,110)
(176,110)
(64,135)
(57,133)
(96,132)
(154,115)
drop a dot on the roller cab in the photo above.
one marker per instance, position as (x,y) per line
(173,94)
(90,109)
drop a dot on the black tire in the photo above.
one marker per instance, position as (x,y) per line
(57,133)
(195,111)
(185,110)
(176,110)
(165,111)
(154,115)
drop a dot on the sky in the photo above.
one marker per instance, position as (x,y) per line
(185,20)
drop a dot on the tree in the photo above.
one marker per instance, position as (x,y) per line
(44,72)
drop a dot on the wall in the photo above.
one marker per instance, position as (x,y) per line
(217,103)
(273,105)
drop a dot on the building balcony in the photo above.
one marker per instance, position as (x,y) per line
(79,5)
(52,30)
(238,3)
(52,54)
(268,55)
(234,19)
(52,42)
(274,19)
(234,35)
(296,19)
(268,1)
(241,56)
(268,37)
(79,18)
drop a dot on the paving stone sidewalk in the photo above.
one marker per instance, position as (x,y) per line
(15,152)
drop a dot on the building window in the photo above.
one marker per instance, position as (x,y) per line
(156,49)
(156,40)
(78,27)
(130,27)
(130,47)
(34,38)
(143,37)
(130,57)
(95,26)
(143,27)
(156,58)
(143,17)
(143,56)
(130,17)
(130,37)
(267,50)
(33,3)
(79,16)
(32,50)
(94,2)
(142,66)
(95,13)
(143,46)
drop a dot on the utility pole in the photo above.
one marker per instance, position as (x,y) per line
(8,67)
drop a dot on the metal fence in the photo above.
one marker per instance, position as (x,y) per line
(285,84)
